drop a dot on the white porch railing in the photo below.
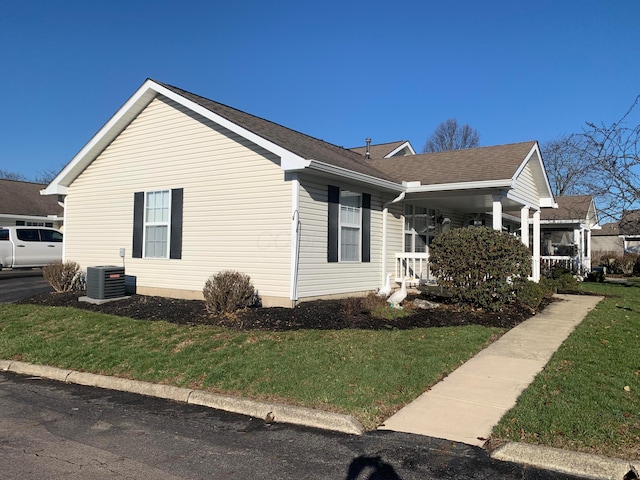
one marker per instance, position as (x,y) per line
(571,263)
(414,266)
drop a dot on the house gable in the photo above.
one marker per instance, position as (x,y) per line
(236,205)
(401,148)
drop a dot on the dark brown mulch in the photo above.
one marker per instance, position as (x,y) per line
(320,314)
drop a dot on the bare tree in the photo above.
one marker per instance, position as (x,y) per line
(46,175)
(612,152)
(568,170)
(451,136)
(9,175)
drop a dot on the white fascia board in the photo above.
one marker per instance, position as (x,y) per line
(351,175)
(138,102)
(443,187)
(521,201)
(118,122)
(548,199)
(404,145)
(559,222)
(39,218)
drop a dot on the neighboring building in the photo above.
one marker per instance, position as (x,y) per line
(618,238)
(21,204)
(566,233)
(190,187)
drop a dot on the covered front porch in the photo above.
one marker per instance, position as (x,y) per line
(425,217)
(503,187)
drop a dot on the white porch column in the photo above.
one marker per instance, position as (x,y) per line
(536,246)
(524,226)
(587,254)
(497,212)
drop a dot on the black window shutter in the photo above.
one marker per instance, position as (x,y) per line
(175,248)
(366,227)
(334,215)
(138,224)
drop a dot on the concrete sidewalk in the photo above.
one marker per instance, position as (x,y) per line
(466,405)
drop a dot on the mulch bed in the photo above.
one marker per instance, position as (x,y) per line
(320,314)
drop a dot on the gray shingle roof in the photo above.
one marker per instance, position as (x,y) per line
(379,150)
(471,165)
(305,146)
(628,225)
(570,207)
(23,198)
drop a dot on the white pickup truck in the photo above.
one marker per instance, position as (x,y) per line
(26,247)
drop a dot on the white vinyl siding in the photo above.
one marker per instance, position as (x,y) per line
(236,208)
(525,186)
(317,276)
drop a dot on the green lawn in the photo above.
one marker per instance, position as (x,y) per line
(369,374)
(588,396)
(586,399)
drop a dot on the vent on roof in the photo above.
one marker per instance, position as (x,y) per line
(367,153)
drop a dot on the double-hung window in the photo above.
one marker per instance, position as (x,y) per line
(350,226)
(156,223)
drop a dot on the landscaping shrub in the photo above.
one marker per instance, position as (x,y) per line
(480,266)
(630,263)
(64,276)
(627,264)
(228,291)
(531,294)
(559,279)
(595,276)
(612,262)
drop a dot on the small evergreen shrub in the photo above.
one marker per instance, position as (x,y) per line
(64,276)
(481,267)
(595,276)
(560,279)
(531,294)
(228,291)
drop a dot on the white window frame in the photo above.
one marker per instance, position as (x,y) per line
(356,226)
(431,225)
(161,223)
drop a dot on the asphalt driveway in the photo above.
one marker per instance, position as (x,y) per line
(16,285)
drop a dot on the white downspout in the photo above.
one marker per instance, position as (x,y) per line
(385,211)
(295,236)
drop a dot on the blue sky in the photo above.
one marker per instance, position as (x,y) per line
(337,70)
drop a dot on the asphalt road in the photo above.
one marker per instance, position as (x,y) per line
(19,284)
(56,430)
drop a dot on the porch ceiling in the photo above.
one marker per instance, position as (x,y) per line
(465,202)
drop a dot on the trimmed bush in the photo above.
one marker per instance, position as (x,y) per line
(595,276)
(228,291)
(531,294)
(481,267)
(560,279)
(627,264)
(64,276)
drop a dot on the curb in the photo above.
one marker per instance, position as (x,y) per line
(565,461)
(272,411)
